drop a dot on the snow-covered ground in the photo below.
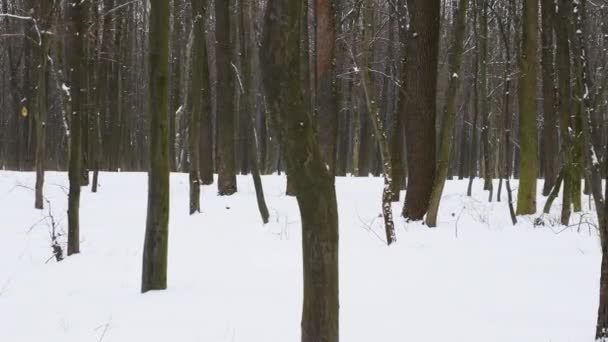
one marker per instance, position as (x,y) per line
(475,278)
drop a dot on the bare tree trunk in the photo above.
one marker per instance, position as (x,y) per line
(421,81)
(196,100)
(326,89)
(76,32)
(550,140)
(376,120)
(449,116)
(225,104)
(44,11)
(154,270)
(250,105)
(316,193)
(528,164)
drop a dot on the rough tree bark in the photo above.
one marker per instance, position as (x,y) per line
(449,116)
(196,88)
(550,140)
(528,164)
(76,60)
(154,270)
(249,103)
(316,194)
(225,105)
(421,84)
(326,88)
(564,104)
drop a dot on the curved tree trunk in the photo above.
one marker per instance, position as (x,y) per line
(316,194)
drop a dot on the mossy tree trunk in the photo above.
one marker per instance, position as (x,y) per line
(528,163)
(154,270)
(316,194)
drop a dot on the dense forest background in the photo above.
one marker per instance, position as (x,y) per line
(116,122)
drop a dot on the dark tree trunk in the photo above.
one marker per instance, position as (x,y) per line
(249,104)
(196,99)
(154,270)
(225,102)
(421,85)
(449,117)
(39,102)
(77,63)
(550,141)
(326,89)
(206,128)
(316,193)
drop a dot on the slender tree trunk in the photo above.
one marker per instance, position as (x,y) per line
(39,102)
(528,164)
(564,103)
(196,100)
(376,120)
(154,270)
(225,104)
(249,103)
(206,128)
(76,32)
(483,98)
(449,114)
(550,140)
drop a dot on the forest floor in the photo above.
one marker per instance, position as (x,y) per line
(474,278)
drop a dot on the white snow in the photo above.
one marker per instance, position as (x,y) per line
(66,89)
(476,278)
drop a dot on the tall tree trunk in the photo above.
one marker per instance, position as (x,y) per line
(550,140)
(77,34)
(449,114)
(249,103)
(488,174)
(316,196)
(528,164)
(421,80)
(326,88)
(564,103)
(206,127)
(376,120)
(196,99)
(225,104)
(44,13)
(154,270)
